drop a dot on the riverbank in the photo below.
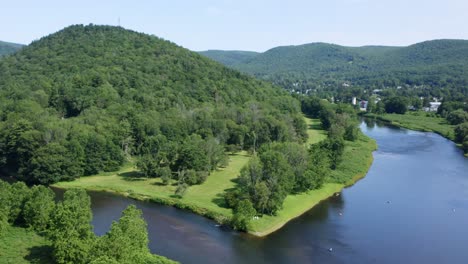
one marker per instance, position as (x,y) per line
(207,199)
(418,121)
(357,159)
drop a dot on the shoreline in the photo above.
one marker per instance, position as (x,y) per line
(417,127)
(327,191)
(267,224)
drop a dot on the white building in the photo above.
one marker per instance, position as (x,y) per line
(434,106)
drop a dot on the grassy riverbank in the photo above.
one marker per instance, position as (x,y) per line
(357,159)
(419,121)
(20,245)
(207,199)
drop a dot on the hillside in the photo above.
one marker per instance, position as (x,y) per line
(229,58)
(8,48)
(437,63)
(87,98)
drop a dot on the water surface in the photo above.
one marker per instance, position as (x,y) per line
(412,207)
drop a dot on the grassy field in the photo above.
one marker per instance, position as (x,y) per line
(419,121)
(315,131)
(206,199)
(205,196)
(19,245)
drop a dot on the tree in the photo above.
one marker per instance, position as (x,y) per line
(38,209)
(457,117)
(127,240)
(396,105)
(318,169)
(181,189)
(371,106)
(461,132)
(243,214)
(71,231)
(380,108)
(4,204)
(51,164)
(19,194)
(335,148)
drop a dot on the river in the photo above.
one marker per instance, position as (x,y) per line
(412,207)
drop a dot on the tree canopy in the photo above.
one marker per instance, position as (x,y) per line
(82,100)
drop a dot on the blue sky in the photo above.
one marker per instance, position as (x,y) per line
(247,25)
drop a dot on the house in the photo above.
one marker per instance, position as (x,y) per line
(363,105)
(434,106)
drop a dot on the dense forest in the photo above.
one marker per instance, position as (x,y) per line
(321,67)
(67,225)
(229,58)
(88,98)
(8,48)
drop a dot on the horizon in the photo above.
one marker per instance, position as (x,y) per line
(248,26)
(233,50)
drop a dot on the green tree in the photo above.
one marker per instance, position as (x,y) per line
(4,204)
(19,195)
(127,240)
(38,209)
(71,231)
(371,106)
(396,105)
(243,214)
(461,132)
(457,117)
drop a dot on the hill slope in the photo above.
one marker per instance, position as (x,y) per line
(437,63)
(8,48)
(83,99)
(231,57)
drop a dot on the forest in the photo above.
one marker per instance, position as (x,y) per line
(322,69)
(7,48)
(89,98)
(67,225)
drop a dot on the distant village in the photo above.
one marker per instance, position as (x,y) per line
(433,105)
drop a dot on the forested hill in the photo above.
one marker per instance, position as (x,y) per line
(437,63)
(8,48)
(86,98)
(229,58)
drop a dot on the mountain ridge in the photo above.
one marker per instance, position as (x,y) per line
(441,62)
(7,48)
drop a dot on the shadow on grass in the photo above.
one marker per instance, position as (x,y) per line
(161,184)
(219,199)
(40,255)
(132,176)
(315,126)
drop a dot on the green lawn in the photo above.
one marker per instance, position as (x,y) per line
(204,196)
(315,131)
(19,245)
(206,199)
(421,122)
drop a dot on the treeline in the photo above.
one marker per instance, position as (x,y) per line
(67,225)
(280,169)
(453,109)
(83,100)
(456,113)
(320,68)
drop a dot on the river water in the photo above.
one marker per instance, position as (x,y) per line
(412,207)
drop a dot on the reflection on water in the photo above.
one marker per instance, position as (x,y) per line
(412,207)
